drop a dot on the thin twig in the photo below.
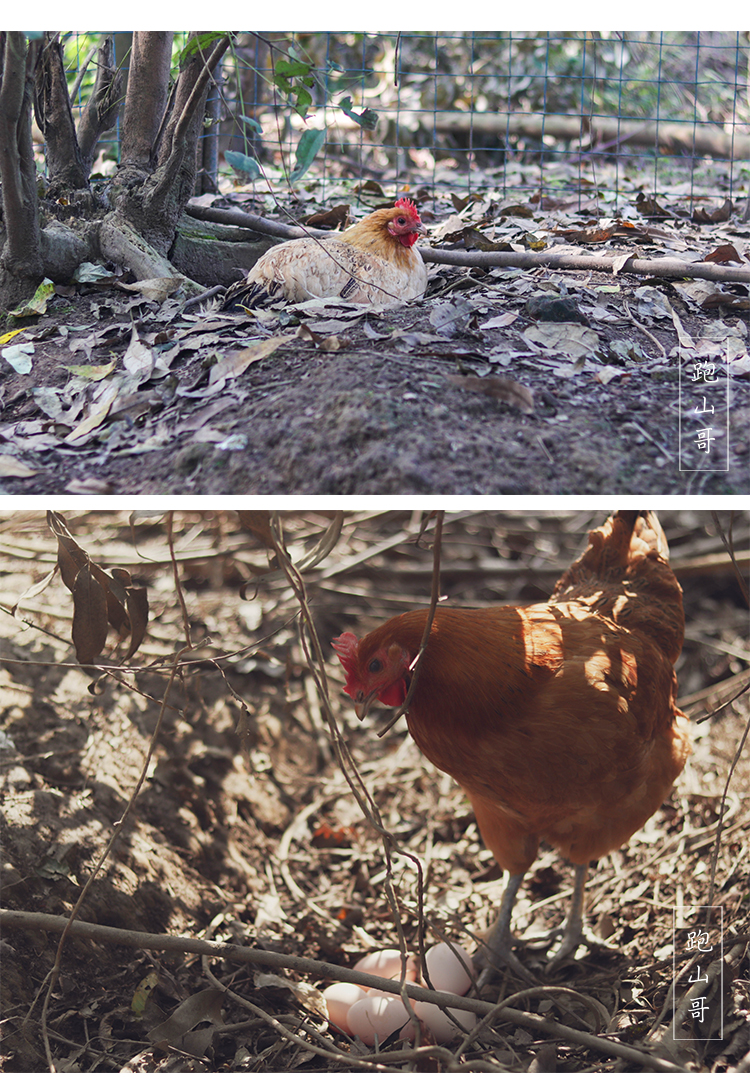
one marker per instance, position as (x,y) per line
(325,1048)
(730,551)
(717,843)
(177,580)
(651,438)
(416,665)
(646,332)
(72,94)
(316,662)
(322,970)
(54,973)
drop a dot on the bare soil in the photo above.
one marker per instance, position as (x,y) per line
(366,404)
(246,831)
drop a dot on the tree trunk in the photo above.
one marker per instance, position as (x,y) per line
(132,222)
(217,254)
(154,200)
(124,245)
(208,146)
(21,266)
(146,98)
(54,116)
(100,112)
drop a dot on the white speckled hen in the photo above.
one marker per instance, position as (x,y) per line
(374,262)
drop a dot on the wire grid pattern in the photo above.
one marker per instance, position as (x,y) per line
(536,116)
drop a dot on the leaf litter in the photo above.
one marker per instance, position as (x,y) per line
(338,399)
(246,832)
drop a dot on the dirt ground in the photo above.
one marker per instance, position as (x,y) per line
(362,403)
(246,831)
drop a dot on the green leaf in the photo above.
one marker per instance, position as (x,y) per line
(251,122)
(202,42)
(293,77)
(368,119)
(304,99)
(37,304)
(285,68)
(244,164)
(310,143)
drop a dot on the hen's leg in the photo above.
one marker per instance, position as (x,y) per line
(572,932)
(497,948)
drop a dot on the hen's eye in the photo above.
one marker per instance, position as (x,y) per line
(375,666)
(401,221)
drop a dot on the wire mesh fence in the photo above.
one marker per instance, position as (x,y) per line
(590,118)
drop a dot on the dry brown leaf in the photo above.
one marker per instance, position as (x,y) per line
(137,600)
(122,605)
(724,255)
(89,616)
(97,414)
(180,1031)
(258,522)
(139,358)
(333,217)
(71,558)
(158,289)
(715,215)
(725,299)
(504,389)
(475,240)
(10,466)
(570,339)
(619,261)
(236,363)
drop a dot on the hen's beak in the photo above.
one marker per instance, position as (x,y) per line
(362,706)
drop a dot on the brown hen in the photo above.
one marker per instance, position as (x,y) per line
(558,720)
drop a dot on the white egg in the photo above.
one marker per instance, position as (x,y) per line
(379,1014)
(438,1022)
(386,963)
(340,997)
(447,973)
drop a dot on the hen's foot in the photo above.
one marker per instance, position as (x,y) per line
(491,958)
(572,939)
(497,950)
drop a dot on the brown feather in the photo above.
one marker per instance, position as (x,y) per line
(558,720)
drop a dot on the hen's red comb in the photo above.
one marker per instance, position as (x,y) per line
(407,205)
(346,648)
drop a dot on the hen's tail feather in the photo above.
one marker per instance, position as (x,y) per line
(643,529)
(625,557)
(617,549)
(249,295)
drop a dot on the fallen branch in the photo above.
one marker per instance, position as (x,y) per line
(669,136)
(28,920)
(235,218)
(667,267)
(590,133)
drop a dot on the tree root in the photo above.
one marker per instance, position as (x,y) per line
(120,242)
